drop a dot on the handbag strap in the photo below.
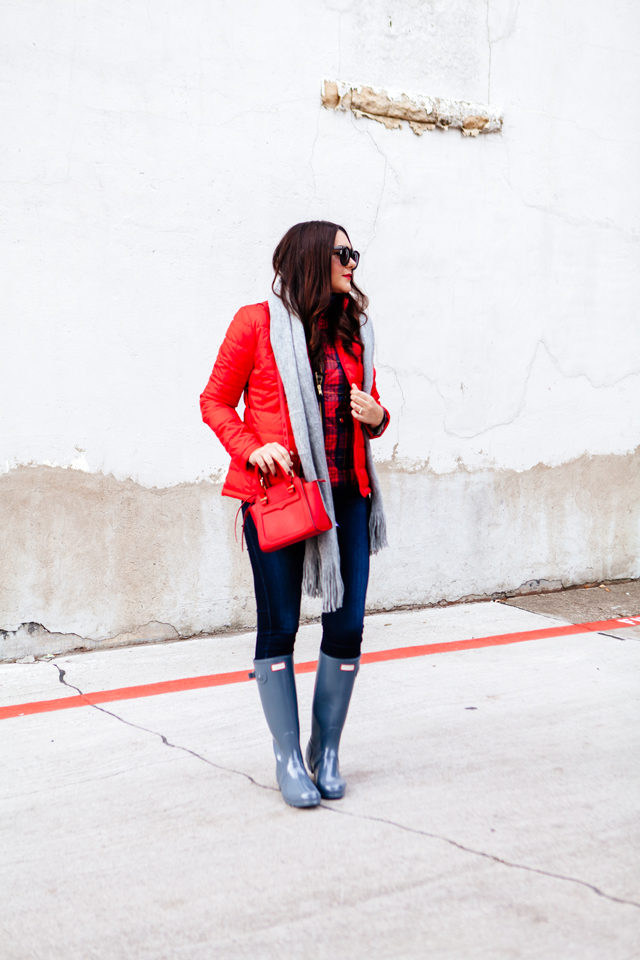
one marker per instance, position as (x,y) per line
(283,415)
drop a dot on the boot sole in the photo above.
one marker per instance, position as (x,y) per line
(331,796)
(303,805)
(323,793)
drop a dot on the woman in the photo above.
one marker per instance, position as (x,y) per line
(314,333)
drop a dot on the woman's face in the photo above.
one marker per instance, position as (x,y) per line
(341,276)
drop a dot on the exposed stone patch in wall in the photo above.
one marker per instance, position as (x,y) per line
(421,113)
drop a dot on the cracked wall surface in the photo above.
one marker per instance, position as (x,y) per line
(89,561)
(151,162)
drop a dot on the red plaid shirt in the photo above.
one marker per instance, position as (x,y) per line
(337,421)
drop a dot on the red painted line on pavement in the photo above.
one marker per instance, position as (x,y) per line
(399,653)
(124,693)
(242,676)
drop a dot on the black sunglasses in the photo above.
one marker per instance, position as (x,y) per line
(346,254)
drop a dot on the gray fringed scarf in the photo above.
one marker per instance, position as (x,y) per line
(321,576)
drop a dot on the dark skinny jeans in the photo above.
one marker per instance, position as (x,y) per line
(277,579)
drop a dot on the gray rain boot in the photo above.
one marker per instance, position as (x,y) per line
(277,686)
(334,685)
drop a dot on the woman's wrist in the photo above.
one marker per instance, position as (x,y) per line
(381,427)
(380,419)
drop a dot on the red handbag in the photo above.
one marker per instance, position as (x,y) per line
(288,510)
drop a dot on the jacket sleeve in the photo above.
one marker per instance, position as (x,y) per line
(380,429)
(222,394)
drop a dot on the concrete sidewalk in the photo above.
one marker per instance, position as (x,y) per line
(490,810)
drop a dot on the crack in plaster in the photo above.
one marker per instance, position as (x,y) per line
(400,413)
(510,25)
(359,816)
(382,188)
(590,130)
(595,385)
(605,385)
(374,225)
(16,642)
(557,38)
(567,217)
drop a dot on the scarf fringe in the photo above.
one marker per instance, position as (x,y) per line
(321,579)
(377,531)
(311,578)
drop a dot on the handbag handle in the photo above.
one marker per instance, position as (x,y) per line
(265,481)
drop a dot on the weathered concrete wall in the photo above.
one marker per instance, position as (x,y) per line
(96,559)
(153,155)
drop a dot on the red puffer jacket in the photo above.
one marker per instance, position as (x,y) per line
(245,363)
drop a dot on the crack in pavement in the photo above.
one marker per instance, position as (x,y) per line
(167,743)
(360,816)
(481,853)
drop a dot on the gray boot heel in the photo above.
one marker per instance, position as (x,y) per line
(277,686)
(334,686)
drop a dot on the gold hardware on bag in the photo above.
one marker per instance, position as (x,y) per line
(263,496)
(319,383)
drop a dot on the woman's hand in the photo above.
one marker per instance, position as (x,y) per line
(270,456)
(364,408)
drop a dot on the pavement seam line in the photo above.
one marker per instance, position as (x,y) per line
(155,733)
(357,816)
(481,853)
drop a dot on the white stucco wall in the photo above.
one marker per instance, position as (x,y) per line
(153,155)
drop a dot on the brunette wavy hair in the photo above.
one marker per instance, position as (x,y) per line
(302,264)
